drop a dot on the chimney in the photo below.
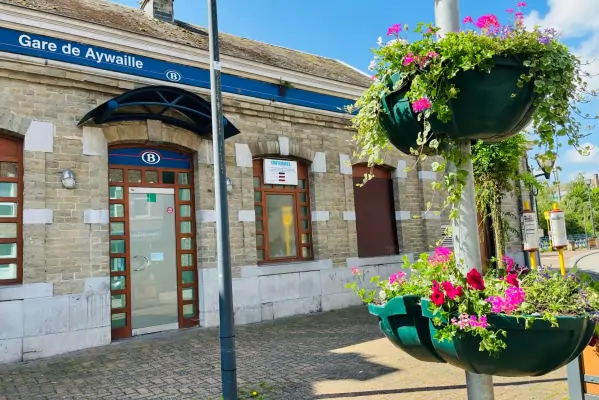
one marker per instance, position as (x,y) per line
(596,180)
(158,9)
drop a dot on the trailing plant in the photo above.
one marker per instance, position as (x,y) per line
(497,169)
(462,304)
(427,67)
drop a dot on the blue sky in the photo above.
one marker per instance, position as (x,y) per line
(346,30)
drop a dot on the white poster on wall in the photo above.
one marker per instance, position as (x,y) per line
(280,172)
(530,231)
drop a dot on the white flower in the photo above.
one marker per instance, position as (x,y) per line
(382,295)
(379,41)
(372,65)
(393,41)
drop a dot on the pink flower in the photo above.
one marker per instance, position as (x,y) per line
(489,21)
(519,15)
(468,20)
(421,105)
(521,4)
(437,296)
(514,296)
(510,10)
(432,54)
(409,59)
(373,77)
(394,30)
(355,271)
(397,277)
(472,321)
(512,280)
(475,280)
(509,262)
(441,255)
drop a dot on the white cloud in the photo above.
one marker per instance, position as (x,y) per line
(572,156)
(574,19)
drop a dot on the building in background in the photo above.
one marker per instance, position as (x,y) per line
(107,220)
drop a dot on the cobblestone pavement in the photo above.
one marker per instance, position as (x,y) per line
(336,356)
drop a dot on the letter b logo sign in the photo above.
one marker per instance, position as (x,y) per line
(150,157)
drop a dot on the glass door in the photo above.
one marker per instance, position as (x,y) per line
(153,255)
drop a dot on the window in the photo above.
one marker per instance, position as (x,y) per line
(375,213)
(447,237)
(11,210)
(283,225)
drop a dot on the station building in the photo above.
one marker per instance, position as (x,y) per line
(107,220)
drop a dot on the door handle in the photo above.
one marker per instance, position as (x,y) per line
(145,264)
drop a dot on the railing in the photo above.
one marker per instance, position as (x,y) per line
(580,242)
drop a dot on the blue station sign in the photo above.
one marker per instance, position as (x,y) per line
(18,42)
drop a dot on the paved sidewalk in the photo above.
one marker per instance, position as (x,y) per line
(337,355)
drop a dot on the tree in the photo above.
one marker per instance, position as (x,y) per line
(578,208)
(497,166)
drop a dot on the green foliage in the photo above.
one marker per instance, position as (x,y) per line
(496,168)
(461,303)
(555,72)
(577,204)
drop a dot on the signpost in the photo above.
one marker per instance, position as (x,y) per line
(559,236)
(530,233)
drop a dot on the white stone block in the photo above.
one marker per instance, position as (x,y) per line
(320,162)
(310,284)
(87,311)
(97,284)
(26,291)
(45,316)
(37,216)
(284,145)
(430,215)
(366,261)
(95,216)
(345,166)
(205,216)
(243,155)
(246,215)
(94,142)
(332,281)
(306,305)
(320,215)
(59,343)
(316,265)
(402,215)
(400,170)
(349,215)
(205,155)
(11,350)
(245,292)
(267,312)
(427,175)
(279,287)
(11,319)
(40,137)
(248,314)
(337,301)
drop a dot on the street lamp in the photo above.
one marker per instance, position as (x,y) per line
(546,164)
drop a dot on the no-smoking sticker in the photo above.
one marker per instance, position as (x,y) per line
(169,210)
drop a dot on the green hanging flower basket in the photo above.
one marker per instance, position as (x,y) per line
(535,351)
(485,107)
(402,322)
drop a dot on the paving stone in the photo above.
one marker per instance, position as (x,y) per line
(338,355)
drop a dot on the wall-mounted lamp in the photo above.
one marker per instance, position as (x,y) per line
(229,185)
(68,179)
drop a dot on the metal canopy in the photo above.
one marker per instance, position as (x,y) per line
(170,105)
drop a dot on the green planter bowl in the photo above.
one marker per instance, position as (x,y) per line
(484,108)
(402,322)
(535,351)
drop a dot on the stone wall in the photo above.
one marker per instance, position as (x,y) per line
(64,301)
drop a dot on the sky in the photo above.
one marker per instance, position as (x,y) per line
(347,30)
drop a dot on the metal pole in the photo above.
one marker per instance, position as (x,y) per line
(465,229)
(228,363)
(591,209)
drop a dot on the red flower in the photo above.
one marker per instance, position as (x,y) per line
(593,341)
(437,297)
(512,279)
(451,291)
(475,280)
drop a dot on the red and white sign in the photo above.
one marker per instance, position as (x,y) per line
(280,172)
(169,210)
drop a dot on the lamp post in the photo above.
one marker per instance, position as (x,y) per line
(546,164)
(592,216)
